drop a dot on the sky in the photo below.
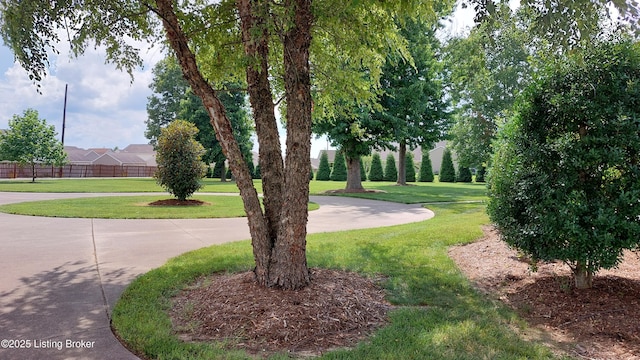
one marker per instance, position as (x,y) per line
(105,108)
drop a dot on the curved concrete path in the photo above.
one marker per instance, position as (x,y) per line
(59,278)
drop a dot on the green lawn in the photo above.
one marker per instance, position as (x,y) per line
(440,315)
(415,193)
(132,207)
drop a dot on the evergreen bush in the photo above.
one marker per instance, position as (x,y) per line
(410,169)
(447,171)
(390,169)
(324,170)
(464,175)
(376,173)
(339,171)
(363,173)
(426,169)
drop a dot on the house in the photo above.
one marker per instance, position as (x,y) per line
(132,155)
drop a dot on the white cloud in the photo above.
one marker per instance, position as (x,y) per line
(104,108)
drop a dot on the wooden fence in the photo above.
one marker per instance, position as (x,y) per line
(14,170)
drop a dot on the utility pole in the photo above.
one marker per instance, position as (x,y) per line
(64,112)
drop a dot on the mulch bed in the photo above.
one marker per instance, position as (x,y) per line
(337,310)
(176,202)
(598,323)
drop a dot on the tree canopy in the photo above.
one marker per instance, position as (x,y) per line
(30,141)
(413,107)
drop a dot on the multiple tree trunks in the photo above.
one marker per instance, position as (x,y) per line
(279,234)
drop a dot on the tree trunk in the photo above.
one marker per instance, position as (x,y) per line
(270,155)
(402,164)
(583,277)
(289,263)
(219,120)
(354,178)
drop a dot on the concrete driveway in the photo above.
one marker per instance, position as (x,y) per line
(59,278)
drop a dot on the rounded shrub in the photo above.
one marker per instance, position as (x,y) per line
(179,160)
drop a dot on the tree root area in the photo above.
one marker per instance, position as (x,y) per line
(598,323)
(337,310)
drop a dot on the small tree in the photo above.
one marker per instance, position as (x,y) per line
(376,173)
(363,173)
(464,174)
(426,169)
(410,170)
(447,171)
(564,179)
(390,169)
(324,170)
(31,141)
(178,156)
(339,171)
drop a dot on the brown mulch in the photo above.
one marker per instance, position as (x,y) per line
(337,310)
(598,323)
(176,202)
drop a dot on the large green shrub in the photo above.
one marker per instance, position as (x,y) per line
(564,184)
(426,169)
(178,157)
(339,171)
(376,173)
(447,171)
(410,169)
(324,170)
(390,169)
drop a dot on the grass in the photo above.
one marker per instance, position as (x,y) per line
(440,315)
(132,207)
(416,193)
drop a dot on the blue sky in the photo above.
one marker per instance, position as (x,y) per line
(104,108)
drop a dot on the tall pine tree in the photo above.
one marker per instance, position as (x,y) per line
(339,171)
(390,169)
(426,169)
(324,170)
(447,171)
(410,172)
(376,173)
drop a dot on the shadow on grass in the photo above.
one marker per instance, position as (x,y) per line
(439,314)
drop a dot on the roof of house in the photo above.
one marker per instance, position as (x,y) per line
(139,148)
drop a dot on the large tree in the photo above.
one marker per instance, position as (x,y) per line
(355,134)
(30,141)
(487,70)
(173,99)
(414,109)
(168,88)
(564,182)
